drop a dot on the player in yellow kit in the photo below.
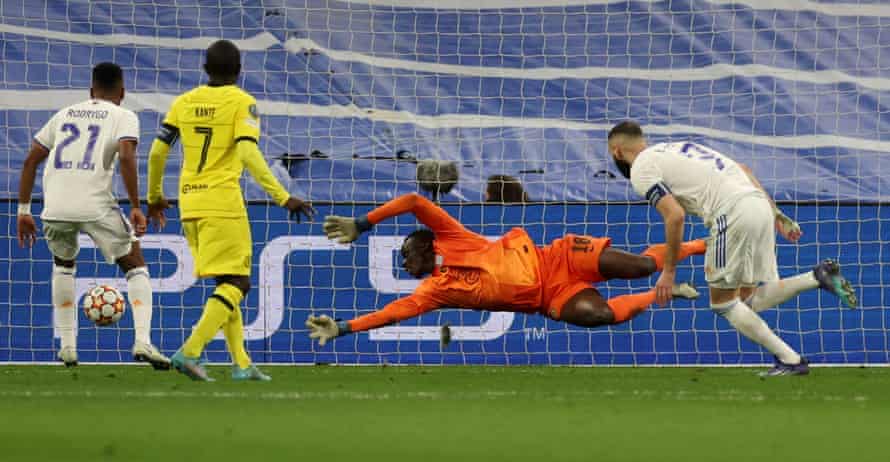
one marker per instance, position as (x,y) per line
(219,127)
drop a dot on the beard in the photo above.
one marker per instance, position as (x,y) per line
(623,167)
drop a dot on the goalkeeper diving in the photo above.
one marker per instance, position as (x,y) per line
(513,274)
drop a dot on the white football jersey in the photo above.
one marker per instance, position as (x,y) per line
(83,144)
(702,180)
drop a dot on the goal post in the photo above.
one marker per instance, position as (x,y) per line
(353,94)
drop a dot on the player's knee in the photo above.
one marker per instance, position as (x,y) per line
(241,282)
(128,263)
(63,263)
(597,317)
(587,314)
(132,260)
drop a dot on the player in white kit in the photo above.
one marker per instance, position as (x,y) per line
(82,143)
(741,270)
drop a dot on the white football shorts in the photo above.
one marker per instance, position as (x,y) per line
(112,234)
(742,247)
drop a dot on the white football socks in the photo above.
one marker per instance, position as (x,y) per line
(774,293)
(746,321)
(139,295)
(64,306)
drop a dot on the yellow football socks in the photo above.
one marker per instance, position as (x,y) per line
(216,315)
(234,332)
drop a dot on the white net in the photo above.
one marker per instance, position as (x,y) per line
(353,93)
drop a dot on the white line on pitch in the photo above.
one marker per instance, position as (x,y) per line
(682,395)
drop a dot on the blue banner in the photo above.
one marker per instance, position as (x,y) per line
(297,272)
(354,91)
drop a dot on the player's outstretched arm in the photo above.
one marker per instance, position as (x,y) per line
(345,230)
(674,217)
(253,160)
(26,229)
(788,228)
(324,328)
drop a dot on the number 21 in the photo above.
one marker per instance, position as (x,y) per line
(73,134)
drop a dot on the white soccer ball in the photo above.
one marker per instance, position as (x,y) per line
(104,305)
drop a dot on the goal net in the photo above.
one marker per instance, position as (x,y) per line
(353,94)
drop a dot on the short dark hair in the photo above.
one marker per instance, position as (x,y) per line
(107,76)
(422,235)
(223,60)
(628,127)
(505,189)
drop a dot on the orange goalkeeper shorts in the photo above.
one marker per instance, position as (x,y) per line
(569,265)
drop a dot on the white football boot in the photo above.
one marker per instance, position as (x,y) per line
(684,290)
(147,353)
(68,355)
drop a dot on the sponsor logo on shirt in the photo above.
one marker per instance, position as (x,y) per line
(194,187)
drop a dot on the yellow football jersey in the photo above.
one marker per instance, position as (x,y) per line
(210,120)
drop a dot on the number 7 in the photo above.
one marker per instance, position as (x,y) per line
(208,135)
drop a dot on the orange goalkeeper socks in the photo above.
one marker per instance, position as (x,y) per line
(658,251)
(628,306)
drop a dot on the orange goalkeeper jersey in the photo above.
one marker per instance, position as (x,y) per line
(472,272)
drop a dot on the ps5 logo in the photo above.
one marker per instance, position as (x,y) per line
(271,287)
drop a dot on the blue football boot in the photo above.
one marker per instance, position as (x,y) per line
(249,373)
(191,367)
(828,273)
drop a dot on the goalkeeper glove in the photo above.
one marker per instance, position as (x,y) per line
(324,328)
(788,228)
(344,229)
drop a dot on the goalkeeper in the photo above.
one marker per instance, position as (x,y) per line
(510,274)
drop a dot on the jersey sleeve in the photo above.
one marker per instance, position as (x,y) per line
(169,130)
(168,133)
(647,180)
(253,159)
(431,215)
(128,127)
(423,300)
(46,137)
(247,120)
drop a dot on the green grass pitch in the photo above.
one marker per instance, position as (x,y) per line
(328,413)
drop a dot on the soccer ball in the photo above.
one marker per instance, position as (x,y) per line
(104,305)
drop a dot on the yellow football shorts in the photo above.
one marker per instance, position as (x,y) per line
(220,246)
